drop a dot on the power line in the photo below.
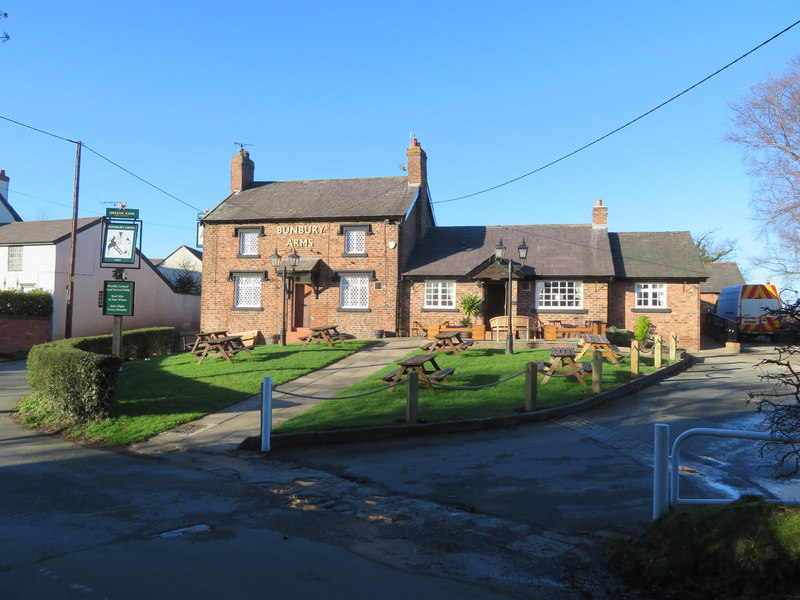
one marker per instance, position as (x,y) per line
(108,160)
(621,127)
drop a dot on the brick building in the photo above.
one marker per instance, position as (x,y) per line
(372,258)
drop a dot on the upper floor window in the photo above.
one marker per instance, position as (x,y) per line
(559,294)
(15,258)
(248,242)
(355,239)
(354,291)
(651,295)
(440,294)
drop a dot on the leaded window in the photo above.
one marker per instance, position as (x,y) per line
(15,258)
(354,291)
(355,241)
(247,291)
(248,243)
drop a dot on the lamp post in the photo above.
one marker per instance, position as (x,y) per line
(499,252)
(294,260)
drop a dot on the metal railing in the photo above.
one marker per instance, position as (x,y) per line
(719,328)
(666,465)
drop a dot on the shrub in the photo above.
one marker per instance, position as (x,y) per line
(136,343)
(619,337)
(470,305)
(643,329)
(36,303)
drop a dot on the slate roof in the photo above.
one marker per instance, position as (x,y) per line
(553,250)
(10,208)
(656,255)
(721,275)
(367,198)
(24,233)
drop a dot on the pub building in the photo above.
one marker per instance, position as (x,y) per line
(367,256)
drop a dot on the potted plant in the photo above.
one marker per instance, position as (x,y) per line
(470,305)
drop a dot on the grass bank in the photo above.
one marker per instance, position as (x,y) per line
(156,394)
(478,367)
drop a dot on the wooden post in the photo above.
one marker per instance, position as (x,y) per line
(597,372)
(634,359)
(412,398)
(673,346)
(658,357)
(531,386)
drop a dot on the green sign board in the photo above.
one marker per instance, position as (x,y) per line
(118,298)
(122,213)
(120,243)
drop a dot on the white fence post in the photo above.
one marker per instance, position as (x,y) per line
(266,413)
(660,470)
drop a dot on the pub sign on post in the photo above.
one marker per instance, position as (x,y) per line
(119,245)
(118,298)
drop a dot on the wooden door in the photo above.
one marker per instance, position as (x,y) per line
(302,299)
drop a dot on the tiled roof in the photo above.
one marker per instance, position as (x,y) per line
(553,250)
(41,232)
(721,275)
(370,197)
(656,255)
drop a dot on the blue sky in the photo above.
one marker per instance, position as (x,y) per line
(325,90)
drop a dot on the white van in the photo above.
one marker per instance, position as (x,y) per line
(749,305)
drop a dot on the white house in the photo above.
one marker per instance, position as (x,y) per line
(35,254)
(183,267)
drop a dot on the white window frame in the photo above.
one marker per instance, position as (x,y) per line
(354,291)
(440,294)
(15,258)
(559,294)
(355,237)
(245,282)
(248,242)
(650,294)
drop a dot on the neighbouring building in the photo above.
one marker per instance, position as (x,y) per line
(36,254)
(371,257)
(720,275)
(183,268)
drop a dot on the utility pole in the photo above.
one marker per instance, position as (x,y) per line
(72,243)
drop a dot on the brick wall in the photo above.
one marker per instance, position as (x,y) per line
(23,333)
(318,239)
(683,318)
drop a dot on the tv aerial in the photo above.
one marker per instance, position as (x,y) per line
(241,145)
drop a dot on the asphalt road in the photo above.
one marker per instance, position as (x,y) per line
(512,513)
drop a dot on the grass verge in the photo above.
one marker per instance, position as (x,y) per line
(749,550)
(478,366)
(156,394)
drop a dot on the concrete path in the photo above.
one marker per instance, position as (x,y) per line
(223,431)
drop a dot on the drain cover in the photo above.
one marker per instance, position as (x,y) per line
(188,428)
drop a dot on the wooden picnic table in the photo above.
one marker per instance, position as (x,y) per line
(419,363)
(448,341)
(562,361)
(202,337)
(326,333)
(591,342)
(226,347)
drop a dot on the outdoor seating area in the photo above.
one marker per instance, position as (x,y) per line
(591,343)
(424,365)
(557,328)
(216,342)
(520,325)
(563,362)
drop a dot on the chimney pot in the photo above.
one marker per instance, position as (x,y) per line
(242,171)
(417,165)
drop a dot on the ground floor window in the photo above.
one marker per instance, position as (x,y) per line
(651,295)
(247,291)
(559,294)
(354,291)
(440,294)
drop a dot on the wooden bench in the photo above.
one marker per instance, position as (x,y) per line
(466,345)
(389,377)
(427,346)
(249,338)
(442,375)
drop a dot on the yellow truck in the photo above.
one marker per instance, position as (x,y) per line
(750,306)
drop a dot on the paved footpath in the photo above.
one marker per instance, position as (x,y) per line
(223,431)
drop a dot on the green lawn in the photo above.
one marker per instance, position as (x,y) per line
(478,366)
(156,394)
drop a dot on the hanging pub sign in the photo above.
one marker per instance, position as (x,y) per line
(200,216)
(120,242)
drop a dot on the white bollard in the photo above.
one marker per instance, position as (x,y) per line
(660,470)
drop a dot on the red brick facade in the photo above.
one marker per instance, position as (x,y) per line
(23,333)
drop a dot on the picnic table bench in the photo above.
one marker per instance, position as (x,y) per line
(419,363)
(448,341)
(592,342)
(562,362)
(326,333)
(227,347)
(202,337)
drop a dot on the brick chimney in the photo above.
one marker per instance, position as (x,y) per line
(242,171)
(599,215)
(4,184)
(417,165)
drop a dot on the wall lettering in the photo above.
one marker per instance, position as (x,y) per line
(300,229)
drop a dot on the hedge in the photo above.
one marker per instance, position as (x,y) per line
(78,376)
(36,303)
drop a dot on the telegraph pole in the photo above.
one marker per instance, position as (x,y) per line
(72,243)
